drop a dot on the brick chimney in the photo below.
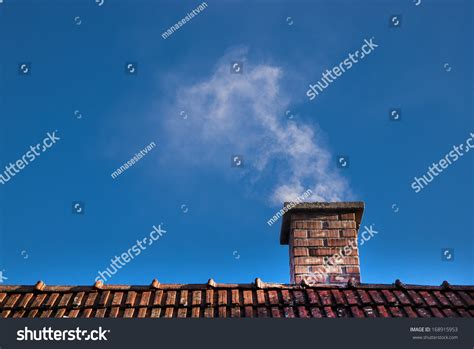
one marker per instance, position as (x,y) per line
(323,241)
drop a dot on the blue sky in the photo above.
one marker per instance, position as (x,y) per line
(223,234)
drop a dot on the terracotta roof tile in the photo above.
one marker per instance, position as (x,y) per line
(19,314)
(428,298)
(436,312)
(390,297)
(276,312)
(448,312)
(325,297)
(170,298)
(286,297)
(235,312)
(382,311)
(26,299)
(273,297)
(142,312)
(415,297)
(130,300)
(316,313)
(183,298)
(209,312)
(87,312)
(442,299)
(463,312)
(114,312)
(298,297)
(312,297)
(288,312)
(222,297)
(195,312)
(402,297)
(410,312)
(248,312)
(396,312)
(169,312)
(64,300)
(104,298)
(248,299)
(423,312)
(369,311)
(351,297)
(235,297)
(454,299)
(222,312)
(158,297)
(302,312)
(197,297)
(338,297)
(182,312)
(117,299)
(464,295)
(37,300)
(73,313)
(77,300)
(329,312)
(364,297)
(260,296)
(11,301)
(155,312)
(209,297)
(145,298)
(129,313)
(262,312)
(60,313)
(31,314)
(357,312)
(91,299)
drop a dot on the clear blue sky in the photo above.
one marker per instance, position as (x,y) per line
(82,67)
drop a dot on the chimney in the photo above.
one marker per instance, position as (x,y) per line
(323,241)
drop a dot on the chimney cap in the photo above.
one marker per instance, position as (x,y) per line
(324,207)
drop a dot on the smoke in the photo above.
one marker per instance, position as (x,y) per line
(245,114)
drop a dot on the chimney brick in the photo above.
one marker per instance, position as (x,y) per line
(322,239)
(323,233)
(300,251)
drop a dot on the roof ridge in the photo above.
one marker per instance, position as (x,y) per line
(40,286)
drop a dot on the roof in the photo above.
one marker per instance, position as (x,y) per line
(324,207)
(258,299)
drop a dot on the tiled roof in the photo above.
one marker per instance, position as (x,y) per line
(258,299)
